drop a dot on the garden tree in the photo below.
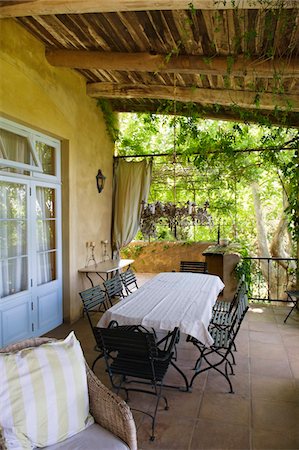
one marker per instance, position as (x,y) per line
(253,195)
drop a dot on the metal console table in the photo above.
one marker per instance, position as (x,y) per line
(105,268)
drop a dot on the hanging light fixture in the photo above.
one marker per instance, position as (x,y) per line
(174,215)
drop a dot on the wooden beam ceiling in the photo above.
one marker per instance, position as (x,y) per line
(147,62)
(242,99)
(50,7)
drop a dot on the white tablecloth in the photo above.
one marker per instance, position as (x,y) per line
(170,300)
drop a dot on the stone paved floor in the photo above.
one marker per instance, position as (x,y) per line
(263,413)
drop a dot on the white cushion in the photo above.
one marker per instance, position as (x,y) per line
(43,394)
(94,437)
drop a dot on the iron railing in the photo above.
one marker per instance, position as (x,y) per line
(271,277)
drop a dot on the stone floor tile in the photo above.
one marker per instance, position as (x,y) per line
(267,351)
(295,368)
(172,433)
(233,409)
(275,440)
(267,367)
(271,415)
(273,389)
(265,337)
(216,435)
(217,383)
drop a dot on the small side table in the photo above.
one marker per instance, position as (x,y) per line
(293,296)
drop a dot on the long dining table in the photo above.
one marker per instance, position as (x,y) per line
(170,300)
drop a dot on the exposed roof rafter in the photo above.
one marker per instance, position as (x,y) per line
(243,99)
(49,7)
(147,62)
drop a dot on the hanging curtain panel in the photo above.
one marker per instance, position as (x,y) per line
(131,187)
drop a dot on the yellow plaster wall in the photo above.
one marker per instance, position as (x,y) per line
(53,100)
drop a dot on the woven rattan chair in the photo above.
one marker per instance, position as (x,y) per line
(108,410)
(129,281)
(194,266)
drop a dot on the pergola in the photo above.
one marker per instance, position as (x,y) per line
(231,60)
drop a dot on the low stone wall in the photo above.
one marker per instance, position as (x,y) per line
(163,256)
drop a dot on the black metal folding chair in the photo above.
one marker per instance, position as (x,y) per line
(222,318)
(114,288)
(129,281)
(220,352)
(293,296)
(94,300)
(225,306)
(137,359)
(194,266)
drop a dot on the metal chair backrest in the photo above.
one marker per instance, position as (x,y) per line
(239,294)
(129,280)
(114,287)
(133,344)
(194,266)
(92,299)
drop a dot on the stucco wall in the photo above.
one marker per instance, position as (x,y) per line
(163,256)
(53,100)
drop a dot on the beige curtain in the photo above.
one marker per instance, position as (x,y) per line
(131,186)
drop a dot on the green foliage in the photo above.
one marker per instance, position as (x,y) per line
(215,166)
(110,118)
(243,269)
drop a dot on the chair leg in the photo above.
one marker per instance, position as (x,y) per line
(96,360)
(295,304)
(215,367)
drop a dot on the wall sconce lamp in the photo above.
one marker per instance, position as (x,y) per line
(100,177)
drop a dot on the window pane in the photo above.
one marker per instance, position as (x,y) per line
(13,276)
(45,203)
(46,267)
(46,155)
(12,201)
(13,238)
(46,238)
(14,147)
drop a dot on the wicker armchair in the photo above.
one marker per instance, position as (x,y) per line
(108,410)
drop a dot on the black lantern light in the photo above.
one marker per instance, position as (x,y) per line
(100,180)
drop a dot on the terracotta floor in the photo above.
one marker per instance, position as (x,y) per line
(263,413)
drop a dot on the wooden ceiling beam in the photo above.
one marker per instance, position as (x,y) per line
(147,62)
(242,99)
(50,7)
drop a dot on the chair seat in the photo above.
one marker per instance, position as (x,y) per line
(94,437)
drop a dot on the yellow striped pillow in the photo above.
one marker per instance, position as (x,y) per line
(43,394)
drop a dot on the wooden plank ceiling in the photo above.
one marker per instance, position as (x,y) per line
(223,61)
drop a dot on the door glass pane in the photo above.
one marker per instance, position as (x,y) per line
(45,203)
(45,234)
(13,276)
(46,155)
(13,238)
(46,239)
(13,204)
(46,267)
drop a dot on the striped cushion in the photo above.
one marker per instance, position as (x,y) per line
(43,394)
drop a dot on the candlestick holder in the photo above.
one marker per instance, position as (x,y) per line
(90,246)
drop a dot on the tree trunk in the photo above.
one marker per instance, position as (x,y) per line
(263,245)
